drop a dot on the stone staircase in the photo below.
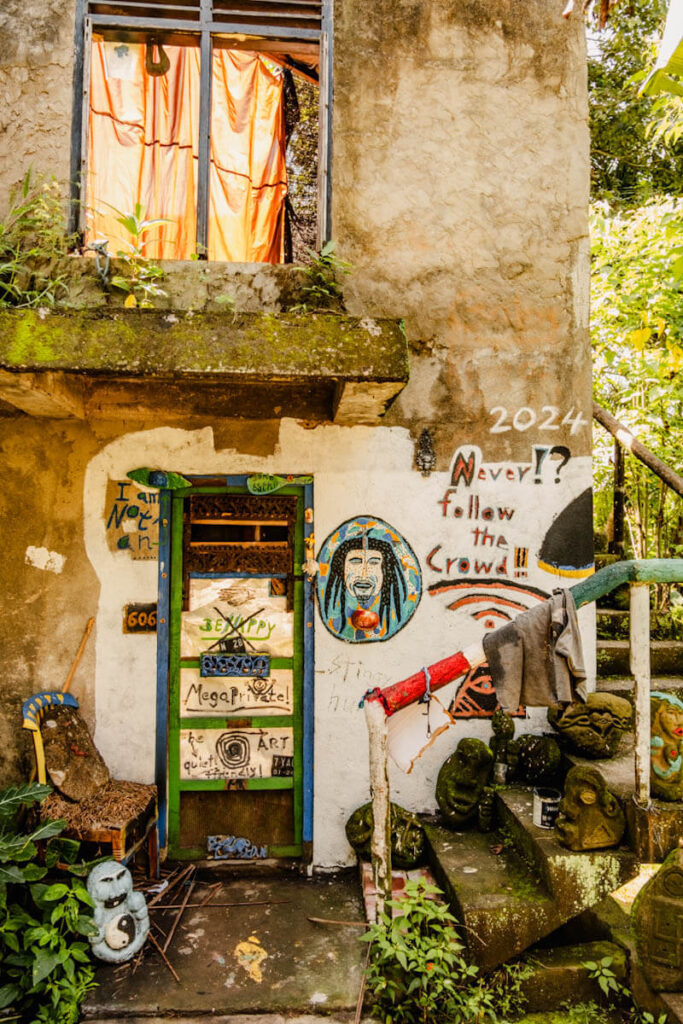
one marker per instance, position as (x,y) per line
(666,656)
(518,887)
(655,832)
(509,900)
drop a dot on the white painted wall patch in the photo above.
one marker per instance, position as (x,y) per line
(41,558)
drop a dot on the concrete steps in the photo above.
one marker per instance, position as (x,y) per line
(623,685)
(510,900)
(574,880)
(503,907)
(666,657)
(609,921)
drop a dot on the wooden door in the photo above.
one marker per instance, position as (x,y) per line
(236,675)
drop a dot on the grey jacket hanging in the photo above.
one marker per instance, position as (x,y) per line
(537,659)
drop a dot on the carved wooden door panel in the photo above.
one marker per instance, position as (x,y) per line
(236,668)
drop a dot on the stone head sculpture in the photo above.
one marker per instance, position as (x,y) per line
(407,836)
(503,726)
(666,745)
(657,923)
(590,815)
(594,728)
(539,758)
(461,781)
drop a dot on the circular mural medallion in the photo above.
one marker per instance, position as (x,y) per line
(369,582)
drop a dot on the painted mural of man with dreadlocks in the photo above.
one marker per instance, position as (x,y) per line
(371,586)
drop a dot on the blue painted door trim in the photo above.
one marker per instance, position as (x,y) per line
(163,619)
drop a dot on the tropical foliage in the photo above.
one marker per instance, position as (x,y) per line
(45,969)
(637,324)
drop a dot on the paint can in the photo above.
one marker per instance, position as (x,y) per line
(546,807)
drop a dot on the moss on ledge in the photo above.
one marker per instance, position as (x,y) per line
(256,346)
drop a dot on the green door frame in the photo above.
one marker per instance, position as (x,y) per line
(301,663)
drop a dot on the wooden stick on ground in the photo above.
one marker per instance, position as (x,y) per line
(79,654)
(214,906)
(164,957)
(171,885)
(213,889)
(329,920)
(179,915)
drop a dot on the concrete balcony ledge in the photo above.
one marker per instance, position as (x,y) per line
(105,363)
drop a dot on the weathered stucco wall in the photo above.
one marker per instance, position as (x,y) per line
(36,69)
(62,477)
(460,195)
(49,589)
(460,180)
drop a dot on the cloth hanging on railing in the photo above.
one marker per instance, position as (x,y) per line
(537,659)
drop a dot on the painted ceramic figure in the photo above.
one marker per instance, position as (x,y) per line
(120,914)
(407,836)
(369,581)
(590,815)
(461,781)
(666,745)
(594,728)
(657,922)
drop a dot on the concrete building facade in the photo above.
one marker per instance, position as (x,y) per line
(434,438)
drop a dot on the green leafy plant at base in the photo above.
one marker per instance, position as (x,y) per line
(322,289)
(504,989)
(45,968)
(140,275)
(416,973)
(33,240)
(601,971)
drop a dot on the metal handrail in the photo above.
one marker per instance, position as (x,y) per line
(379,704)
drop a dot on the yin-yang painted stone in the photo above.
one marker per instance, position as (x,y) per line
(120,914)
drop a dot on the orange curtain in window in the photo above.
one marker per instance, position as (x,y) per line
(143,145)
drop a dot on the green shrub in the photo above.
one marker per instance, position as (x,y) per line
(44,962)
(33,240)
(416,973)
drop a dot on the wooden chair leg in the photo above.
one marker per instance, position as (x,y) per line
(153,851)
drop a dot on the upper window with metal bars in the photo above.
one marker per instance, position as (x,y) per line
(210,118)
(291,18)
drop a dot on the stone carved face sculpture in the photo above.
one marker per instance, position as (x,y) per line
(407,836)
(590,815)
(120,914)
(461,781)
(538,757)
(657,921)
(666,775)
(595,728)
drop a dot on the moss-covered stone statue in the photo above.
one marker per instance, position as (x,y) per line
(666,745)
(657,923)
(593,729)
(504,747)
(590,815)
(461,781)
(539,758)
(408,841)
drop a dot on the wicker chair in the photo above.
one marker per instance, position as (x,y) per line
(124,834)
